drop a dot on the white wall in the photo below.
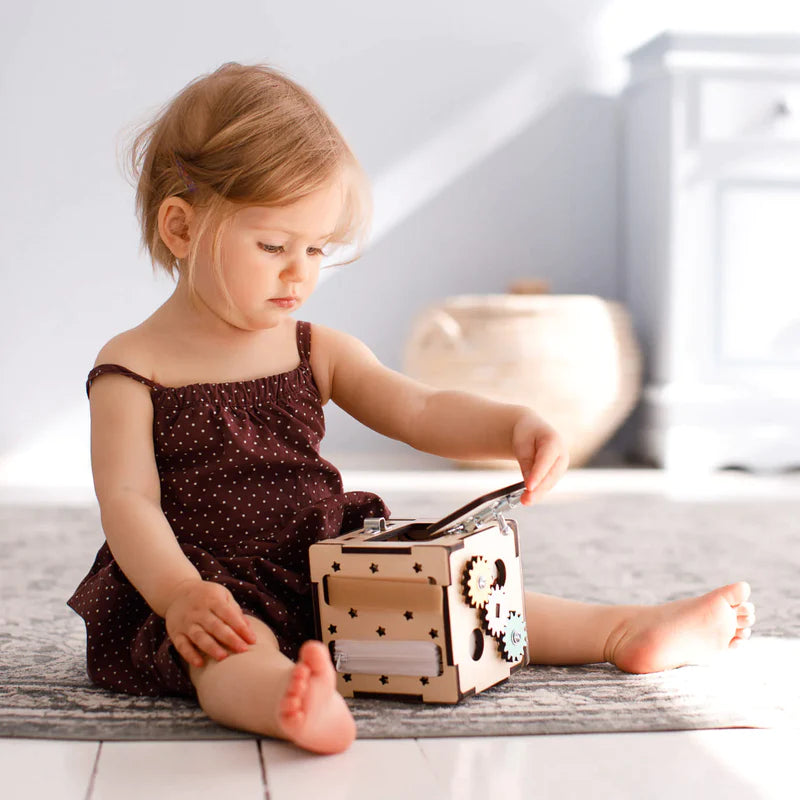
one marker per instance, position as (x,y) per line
(503,113)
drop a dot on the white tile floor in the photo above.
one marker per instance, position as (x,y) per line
(733,764)
(730,764)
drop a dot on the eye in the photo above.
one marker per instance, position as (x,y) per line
(316,251)
(271,248)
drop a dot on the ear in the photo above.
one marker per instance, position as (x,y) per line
(176,225)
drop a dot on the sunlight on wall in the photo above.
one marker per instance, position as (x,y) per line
(470,138)
(58,456)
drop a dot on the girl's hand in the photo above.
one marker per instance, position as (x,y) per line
(203,618)
(541,453)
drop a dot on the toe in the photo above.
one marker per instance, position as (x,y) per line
(290,705)
(301,674)
(315,656)
(298,682)
(736,593)
(745,615)
(290,710)
(740,638)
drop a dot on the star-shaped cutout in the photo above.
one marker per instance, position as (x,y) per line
(408,615)
(336,566)
(331,629)
(384,680)
(353,613)
(424,681)
(417,567)
(373,568)
(381,631)
(433,633)
(347,677)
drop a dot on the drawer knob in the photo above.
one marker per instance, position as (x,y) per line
(782,109)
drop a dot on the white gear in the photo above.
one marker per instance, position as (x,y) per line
(496,611)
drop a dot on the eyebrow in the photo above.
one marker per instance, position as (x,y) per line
(291,233)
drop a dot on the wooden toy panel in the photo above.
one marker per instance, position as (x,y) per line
(469,635)
(386,591)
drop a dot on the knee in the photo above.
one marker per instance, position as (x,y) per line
(264,634)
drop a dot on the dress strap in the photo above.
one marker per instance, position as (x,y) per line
(101,369)
(303,331)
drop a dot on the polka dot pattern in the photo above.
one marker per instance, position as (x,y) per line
(246,492)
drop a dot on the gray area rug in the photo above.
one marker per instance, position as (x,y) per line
(611,548)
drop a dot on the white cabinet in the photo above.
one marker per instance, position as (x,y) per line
(711,247)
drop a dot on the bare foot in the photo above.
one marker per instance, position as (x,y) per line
(692,631)
(312,714)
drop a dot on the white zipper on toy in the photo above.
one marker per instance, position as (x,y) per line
(412,658)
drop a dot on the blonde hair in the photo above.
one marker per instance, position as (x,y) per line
(243,135)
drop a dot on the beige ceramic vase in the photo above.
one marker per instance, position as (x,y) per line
(572,358)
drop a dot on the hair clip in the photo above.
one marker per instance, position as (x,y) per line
(190,184)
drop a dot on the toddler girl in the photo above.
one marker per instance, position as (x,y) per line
(207,422)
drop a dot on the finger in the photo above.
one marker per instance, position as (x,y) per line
(525,466)
(207,644)
(224,633)
(187,650)
(232,614)
(546,456)
(553,476)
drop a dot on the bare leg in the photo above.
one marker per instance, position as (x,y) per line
(638,638)
(569,632)
(264,692)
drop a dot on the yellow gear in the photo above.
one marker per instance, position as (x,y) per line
(478,581)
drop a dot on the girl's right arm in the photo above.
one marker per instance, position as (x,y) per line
(128,490)
(201,615)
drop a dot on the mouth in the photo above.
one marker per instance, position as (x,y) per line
(284,302)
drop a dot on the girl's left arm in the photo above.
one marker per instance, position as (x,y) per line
(452,424)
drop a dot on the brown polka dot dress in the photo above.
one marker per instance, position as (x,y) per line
(246,492)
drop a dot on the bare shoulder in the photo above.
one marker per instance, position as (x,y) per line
(334,342)
(335,351)
(129,349)
(123,454)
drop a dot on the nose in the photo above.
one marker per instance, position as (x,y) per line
(296,268)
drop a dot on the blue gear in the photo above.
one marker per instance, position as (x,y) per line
(515,638)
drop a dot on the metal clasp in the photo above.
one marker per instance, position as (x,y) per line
(493,512)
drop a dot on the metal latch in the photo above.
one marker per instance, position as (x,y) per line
(487,512)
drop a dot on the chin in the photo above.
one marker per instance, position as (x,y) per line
(268,321)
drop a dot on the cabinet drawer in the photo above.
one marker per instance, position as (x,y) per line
(758,314)
(748,110)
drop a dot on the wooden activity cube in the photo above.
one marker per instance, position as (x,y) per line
(419,610)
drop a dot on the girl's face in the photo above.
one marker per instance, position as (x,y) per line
(270,259)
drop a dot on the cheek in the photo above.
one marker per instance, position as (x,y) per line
(205,282)
(313,280)
(242,272)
